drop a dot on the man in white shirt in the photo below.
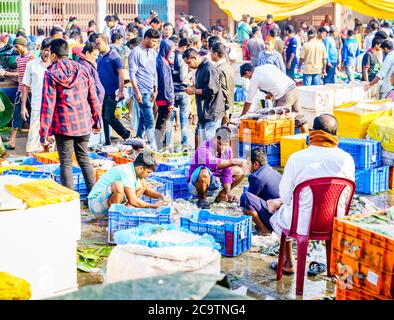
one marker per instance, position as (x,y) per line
(33,79)
(321,159)
(374,27)
(385,71)
(273,82)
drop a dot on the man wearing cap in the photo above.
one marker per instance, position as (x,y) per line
(213,171)
(125,184)
(20,45)
(153,14)
(268,26)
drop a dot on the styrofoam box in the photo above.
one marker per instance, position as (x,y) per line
(316,97)
(342,93)
(310,115)
(358,91)
(39,245)
(49,267)
(238,80)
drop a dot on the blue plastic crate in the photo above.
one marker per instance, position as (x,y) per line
(29,174)
(95,156)
(173,164)
(234,235)
(365,153)
(373,180)
(164,187)
(120,218)
(17,160)
(271,150)
(31,161)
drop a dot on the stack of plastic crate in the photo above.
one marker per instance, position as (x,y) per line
(179,180)
(371,176)
(161,185)
(362,256)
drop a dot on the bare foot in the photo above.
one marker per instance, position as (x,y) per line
(273,205)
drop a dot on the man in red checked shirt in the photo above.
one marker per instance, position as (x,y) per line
(69,111)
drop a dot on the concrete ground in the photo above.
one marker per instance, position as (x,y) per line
(248,273)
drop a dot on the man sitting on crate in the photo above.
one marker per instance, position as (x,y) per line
(213,171)
(277,85)
(321,159)
(263,186)
(125,184)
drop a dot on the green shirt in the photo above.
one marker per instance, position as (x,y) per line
(243,32)
(124,173)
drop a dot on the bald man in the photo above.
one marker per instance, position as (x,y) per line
(322,158)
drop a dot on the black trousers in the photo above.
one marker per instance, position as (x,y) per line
(66,145)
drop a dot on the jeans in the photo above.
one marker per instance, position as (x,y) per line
(207,130)
(135,116)
(330,77)
(17,121)
(66,145)
(349,70)
(163,118)
(291,72)
(109,119)
(182,102)
(146,119)
(311,79)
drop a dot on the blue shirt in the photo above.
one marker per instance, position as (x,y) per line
(107,67)
(332,51)
(291,48)
(350,51)
(264,183)
(142,68)
(124,173)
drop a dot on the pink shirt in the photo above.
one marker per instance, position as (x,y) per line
(390,95)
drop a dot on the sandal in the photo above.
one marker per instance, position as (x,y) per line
(274,266)
(8,146)
(315,268)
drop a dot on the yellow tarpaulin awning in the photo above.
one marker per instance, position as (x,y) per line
(282,9)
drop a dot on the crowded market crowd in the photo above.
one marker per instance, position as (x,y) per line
(181,75)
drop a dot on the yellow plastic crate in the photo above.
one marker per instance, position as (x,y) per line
(290,145)
(6,168)
(355,118)
(41,192)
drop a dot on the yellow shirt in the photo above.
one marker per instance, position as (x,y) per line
(313,53)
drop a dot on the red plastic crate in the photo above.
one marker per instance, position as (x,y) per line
(391,178)
(118,158)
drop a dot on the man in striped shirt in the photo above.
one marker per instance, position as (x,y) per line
(20,45)
(271,56)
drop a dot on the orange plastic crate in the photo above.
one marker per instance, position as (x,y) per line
(265,132)
(117,158)
(364,246)
(99,172)
(363,276)
(50,157)
(391,178)
(355,294)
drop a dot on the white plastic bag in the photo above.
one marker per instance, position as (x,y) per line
(128,262)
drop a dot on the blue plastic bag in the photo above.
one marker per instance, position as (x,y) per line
(135,235)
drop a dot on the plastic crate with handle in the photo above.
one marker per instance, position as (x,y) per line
(265,132)
(370,181)
(29,174)
(161,185)
(365,153)
(234,234)
(271,150)
(121,217)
